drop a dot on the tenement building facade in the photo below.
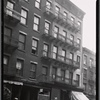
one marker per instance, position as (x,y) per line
(42,50)
(89,73)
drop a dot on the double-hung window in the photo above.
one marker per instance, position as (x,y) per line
(91,62)
(47,27)
(79,23)
(62,75)
(78,41)
(85,59)
(10,7)
(48,5)
(55,50)
(45,49)
(7,34)
(24,14)
(54,73)
(65,15)
(85,73)
(22,40)
(36,23)
(56,31)
(78,79)
(37,4)
(44,71)
(71,56)
(62,35)
(72,19)
(72,39)
(34,46)
(5,60)
(57,11)
(78,59)
(33,71)
(19,67)
(63,55)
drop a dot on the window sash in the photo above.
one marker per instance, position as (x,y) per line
(48,4)
(44,70)
(5,60)
(71,55)
(63,53)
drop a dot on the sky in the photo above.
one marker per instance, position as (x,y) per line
(89,22)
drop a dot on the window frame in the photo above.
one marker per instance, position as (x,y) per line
(55,52)
(47,29)
(85,73)
(44,74)
(33,71)
(35,48)
(39,3)
(45,52)
(23,17)
(24,43)
(19,71)
(36,24)
(85,60)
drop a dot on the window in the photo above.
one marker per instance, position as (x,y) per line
(45,49)
(85,86)
(78,59)
(19,67)
(10,7)
(79,41)
(79,23)
(44,70)
(62,35)
(36,23)
(57,10)
(37,3)
(85,59)
(63,55)
(7,34)
(72,39)
(65,15)
(70,76)
(48,5)
(5,60)
(67,76)
(71,56)
(22,39)
(90,89)
(55,49)
(47,27)
(34,46)
(24,14)
(54,72)
(85,73)
(33,70)
(72,19)
(78,78)
(91,62)
(56,31)
(62,75)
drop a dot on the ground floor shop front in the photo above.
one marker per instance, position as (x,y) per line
(25,91)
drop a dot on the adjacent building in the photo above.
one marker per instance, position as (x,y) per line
(89,73)
(42,49)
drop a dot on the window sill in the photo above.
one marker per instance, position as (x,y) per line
(38,8)
(21,50)
(24,25)
(34,54)
(31,79)
(36,31)
(27,2)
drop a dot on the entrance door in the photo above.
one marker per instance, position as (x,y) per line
(64,95)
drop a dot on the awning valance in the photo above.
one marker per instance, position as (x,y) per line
(13,82)
(78,96)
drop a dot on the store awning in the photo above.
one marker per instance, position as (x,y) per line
(13,82)
(78,96)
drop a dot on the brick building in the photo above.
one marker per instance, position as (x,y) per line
(89,73)
(42,49)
